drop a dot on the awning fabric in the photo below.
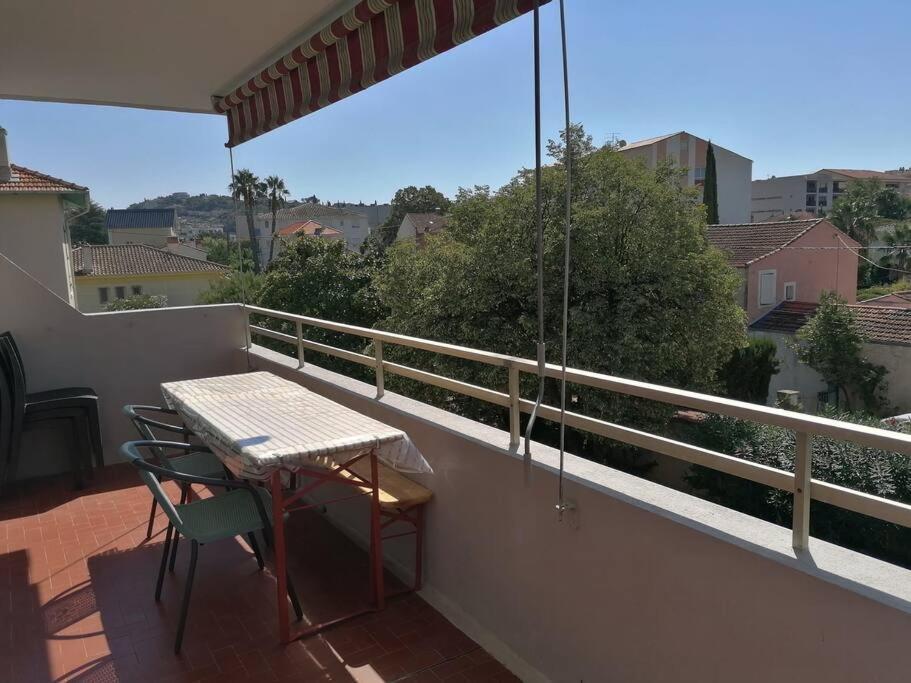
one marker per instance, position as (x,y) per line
(373,41)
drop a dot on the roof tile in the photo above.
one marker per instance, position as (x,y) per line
(140,218)
(879,324)
(26,180)
(139,259)
(747,242)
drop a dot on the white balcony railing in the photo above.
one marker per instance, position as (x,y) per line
(799,483)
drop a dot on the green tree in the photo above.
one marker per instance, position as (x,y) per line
(710,188)
(891,204)
(748,372)
(138,302)
(411,199)
(277,195)
(88,228)
(832,344)
(855,211)
(649,298)
(238,255)
(248,188)
(580,143)
(322,279)
(236,287)
(899,243)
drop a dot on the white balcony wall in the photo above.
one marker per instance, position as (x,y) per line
(123,356)
(640,583)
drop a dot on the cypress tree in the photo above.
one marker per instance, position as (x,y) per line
(710,188)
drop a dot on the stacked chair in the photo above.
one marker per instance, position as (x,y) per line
(75,407)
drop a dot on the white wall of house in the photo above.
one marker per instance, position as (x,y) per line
(154,237)
(778,196)
(734,177)
(33,234)
(181,290)
(795,375)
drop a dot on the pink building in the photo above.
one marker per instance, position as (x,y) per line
(794,260)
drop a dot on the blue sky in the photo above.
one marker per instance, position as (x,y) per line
(793,86)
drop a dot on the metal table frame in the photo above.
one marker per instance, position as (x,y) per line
(283,502)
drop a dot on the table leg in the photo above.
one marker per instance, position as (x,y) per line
(281,564)
(376,536)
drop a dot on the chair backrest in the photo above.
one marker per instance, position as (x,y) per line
(148,472)
(15,378)
(17,355)
(144,426)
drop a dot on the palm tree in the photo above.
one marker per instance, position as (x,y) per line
(275,193)
(249,188)
(899,253)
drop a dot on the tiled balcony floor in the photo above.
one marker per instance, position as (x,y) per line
(76,601)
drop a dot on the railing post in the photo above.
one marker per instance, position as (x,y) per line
(803,472)
(300,344)
(378,350)
(515,413)
(248,336)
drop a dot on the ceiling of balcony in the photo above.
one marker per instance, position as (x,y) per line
(166,54)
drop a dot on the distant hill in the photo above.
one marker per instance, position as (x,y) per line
(204,212)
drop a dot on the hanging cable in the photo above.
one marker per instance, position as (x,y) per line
(539,226)
(562,505)
(240,260)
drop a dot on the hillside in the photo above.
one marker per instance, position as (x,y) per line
(202,212)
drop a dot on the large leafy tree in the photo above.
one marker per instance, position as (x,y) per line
(856,211)
(88,228)
(832,344)
(710,188)
(248,188)
(322,279)
(899,243)
(411,199)
(649,298)
(277,196)
(238,255)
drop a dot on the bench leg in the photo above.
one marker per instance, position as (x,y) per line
(418,547)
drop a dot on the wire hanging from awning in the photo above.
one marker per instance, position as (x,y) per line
(371,42)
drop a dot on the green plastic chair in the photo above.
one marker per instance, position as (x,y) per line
(202,462)
(242,510)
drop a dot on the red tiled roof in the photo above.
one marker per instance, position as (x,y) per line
(893,300)
(26,180)
(744,243)
(879,324)
(861,174)
(310,228)
(139,259)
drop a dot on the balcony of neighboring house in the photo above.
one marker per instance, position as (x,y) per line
(637,581)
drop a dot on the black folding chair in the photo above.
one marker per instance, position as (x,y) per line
(243,510)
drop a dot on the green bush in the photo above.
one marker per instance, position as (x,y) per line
(138,302)
(870,470)
(747,373)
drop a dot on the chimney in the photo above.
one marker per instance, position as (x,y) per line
(88,259)
(6,172)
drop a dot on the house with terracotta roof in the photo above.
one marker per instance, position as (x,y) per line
(155,227)
(892,300)
(415,226)
(788,261)
(311,229)
(687,151)
(815,193)
(119,271)
(34,210)
(354,225)
(887,330)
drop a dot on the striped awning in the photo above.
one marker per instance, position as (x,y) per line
(373,41)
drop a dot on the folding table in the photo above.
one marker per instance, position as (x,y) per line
(265,428)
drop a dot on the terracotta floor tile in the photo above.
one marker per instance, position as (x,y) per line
(80,576)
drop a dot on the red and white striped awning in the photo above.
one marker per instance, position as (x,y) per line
(371,42)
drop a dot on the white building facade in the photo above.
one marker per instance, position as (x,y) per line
(688,151)
(814,193)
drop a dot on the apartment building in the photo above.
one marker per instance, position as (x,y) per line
(688,151)
(814,193)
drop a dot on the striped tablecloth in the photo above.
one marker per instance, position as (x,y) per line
(257,422)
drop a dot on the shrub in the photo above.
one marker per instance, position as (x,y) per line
(749,370)
(871,470)
(138,302)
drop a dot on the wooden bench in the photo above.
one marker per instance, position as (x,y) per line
(401,500)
